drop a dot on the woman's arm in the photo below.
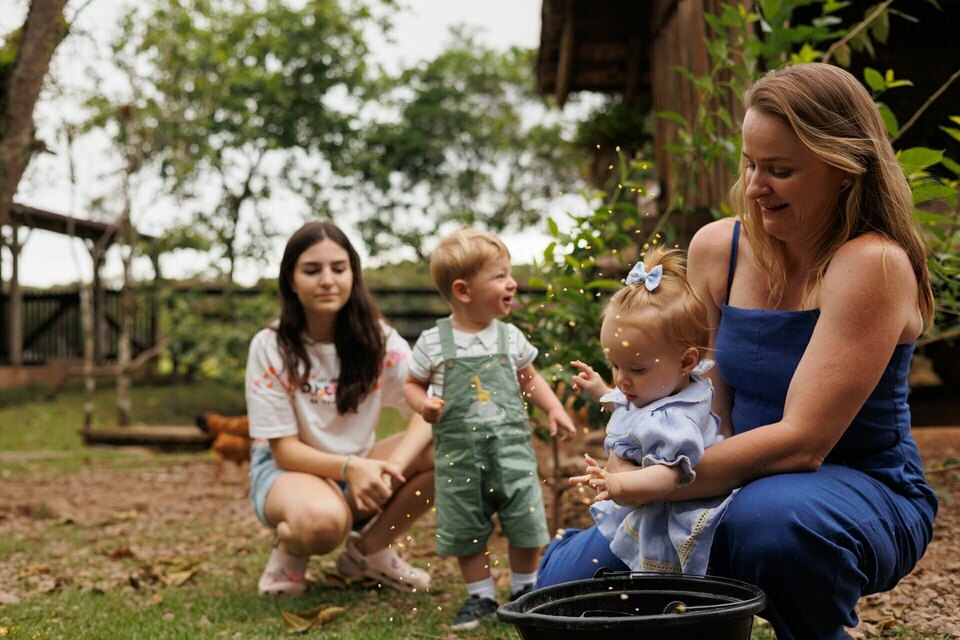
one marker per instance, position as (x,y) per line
(708,263)
(370,479)
(868,304)
(415,439)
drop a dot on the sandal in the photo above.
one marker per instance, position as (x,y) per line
(384,566)
(285,573)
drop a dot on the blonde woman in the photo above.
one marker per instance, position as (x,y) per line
(816,293)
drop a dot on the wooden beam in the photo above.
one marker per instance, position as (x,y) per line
(565,62)
(632,82)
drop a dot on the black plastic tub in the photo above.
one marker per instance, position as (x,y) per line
(639,606)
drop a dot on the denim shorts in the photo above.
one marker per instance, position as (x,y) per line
(264,472)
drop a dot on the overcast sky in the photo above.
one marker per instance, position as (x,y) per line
(48,259)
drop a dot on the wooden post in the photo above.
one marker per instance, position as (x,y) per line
(99,305)
(89,381)
(15,303)
(565,58)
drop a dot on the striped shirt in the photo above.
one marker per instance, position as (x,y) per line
(426,364)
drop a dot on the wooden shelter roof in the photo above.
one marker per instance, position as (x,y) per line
(608,46)
(594,46)
(66,225)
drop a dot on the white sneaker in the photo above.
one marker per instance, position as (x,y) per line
(284,574)
(385,566)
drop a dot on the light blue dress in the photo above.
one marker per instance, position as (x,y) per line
(666,537)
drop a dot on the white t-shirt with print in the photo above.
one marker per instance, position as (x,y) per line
(427,362)
(276,409)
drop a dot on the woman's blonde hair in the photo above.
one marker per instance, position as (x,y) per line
(678,313)
(835,118)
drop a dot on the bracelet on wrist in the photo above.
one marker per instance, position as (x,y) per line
(343,466)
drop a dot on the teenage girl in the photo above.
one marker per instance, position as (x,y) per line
(317,380)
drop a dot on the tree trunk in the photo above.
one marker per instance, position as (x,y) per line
(42,31)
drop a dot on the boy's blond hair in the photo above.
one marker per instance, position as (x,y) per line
(678,313)
(461,255)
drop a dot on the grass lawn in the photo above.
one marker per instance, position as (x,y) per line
(112,543)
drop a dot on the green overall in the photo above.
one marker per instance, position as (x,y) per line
(485,462)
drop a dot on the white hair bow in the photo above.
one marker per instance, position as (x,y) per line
(639,274)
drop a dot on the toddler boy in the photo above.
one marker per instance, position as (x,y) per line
(480,370)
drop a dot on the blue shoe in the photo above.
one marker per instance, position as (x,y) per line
(472,611)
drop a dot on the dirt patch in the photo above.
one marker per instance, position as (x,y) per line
(167,513)
(928,598)
(104,523)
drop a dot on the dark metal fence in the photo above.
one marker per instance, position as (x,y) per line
(53,327)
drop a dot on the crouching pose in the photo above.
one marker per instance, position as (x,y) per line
(317,380)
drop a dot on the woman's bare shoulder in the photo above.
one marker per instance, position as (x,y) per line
(708,259)
(871,276)
(712,241)
(872,256)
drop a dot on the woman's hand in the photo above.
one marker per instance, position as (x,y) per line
(588,380)
(371,482)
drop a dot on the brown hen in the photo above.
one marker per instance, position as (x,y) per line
(230,438)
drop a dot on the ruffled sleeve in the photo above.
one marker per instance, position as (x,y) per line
(666,436)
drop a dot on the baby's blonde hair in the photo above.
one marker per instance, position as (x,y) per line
(461,255)
(678,313)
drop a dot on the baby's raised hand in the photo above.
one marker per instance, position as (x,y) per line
(595,477)
(432,409)
(588,380)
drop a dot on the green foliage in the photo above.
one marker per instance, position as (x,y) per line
(616,124)
(564,321)
(934,181)
(711,137)
(227,92)
(211,332)
(736,55)
(456,145)
(9,48)
(244,77)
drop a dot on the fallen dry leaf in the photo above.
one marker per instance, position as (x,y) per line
(120,516)
(120,552)
(176,578)
(294,623)
(33,570)
(305,620)
(337,581)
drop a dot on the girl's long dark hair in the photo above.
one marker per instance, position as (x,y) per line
(358,336)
